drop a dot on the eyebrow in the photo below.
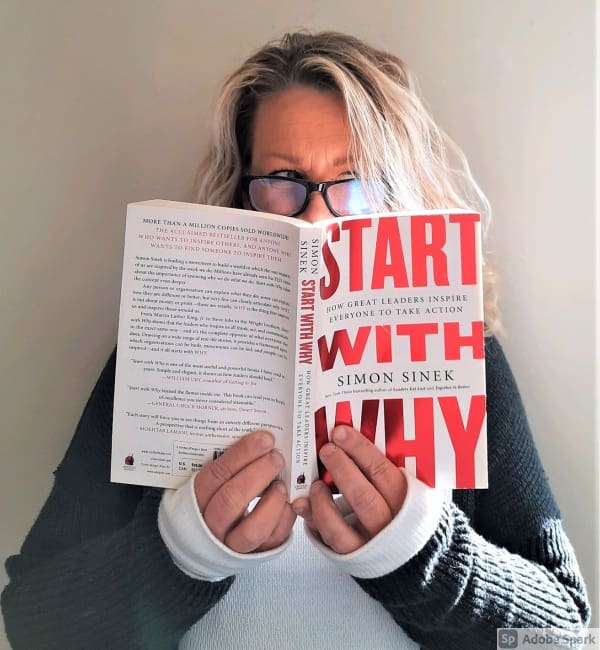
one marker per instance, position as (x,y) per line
(340,161)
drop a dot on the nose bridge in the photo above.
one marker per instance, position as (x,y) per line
(317,209)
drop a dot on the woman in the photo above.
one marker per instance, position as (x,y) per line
(119,566)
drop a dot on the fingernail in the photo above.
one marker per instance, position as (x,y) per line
(277,459)
(265,440)
(340,434)
(280,487)
(318,485)
(326,450)
(299,509)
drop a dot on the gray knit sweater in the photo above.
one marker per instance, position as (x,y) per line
(94,572)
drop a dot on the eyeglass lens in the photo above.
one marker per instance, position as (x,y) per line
(348,198)
(277,195)
(285,197)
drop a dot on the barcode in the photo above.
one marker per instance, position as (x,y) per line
(217,453)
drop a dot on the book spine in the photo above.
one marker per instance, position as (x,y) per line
(303,468)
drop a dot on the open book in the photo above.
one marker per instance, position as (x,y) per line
(233,321)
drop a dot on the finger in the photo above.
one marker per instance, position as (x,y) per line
(329,523)
(258,526)
(370,508)
(230,501)
(301,506)
(282,530)
(214,474)
(388,480)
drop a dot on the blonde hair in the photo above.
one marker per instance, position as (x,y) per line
(395,144)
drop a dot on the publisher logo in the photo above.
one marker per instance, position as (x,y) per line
(507,639)
(129,460)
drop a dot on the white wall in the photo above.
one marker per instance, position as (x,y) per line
(106,103)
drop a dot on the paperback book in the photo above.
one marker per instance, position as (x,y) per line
(233,320)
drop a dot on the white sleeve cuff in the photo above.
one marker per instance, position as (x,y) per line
(193,547)
(400,540)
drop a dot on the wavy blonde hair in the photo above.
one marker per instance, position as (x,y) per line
(395,144)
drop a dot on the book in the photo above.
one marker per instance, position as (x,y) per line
(233,320)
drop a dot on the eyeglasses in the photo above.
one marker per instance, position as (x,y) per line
(289,197)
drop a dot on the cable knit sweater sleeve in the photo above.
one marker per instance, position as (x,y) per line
(507,564)
(93,571)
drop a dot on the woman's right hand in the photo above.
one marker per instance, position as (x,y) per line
(225,487)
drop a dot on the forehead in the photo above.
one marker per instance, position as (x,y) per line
(301,123)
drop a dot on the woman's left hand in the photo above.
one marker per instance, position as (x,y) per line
(371,484)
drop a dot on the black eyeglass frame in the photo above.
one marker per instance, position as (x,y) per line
(309,186)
